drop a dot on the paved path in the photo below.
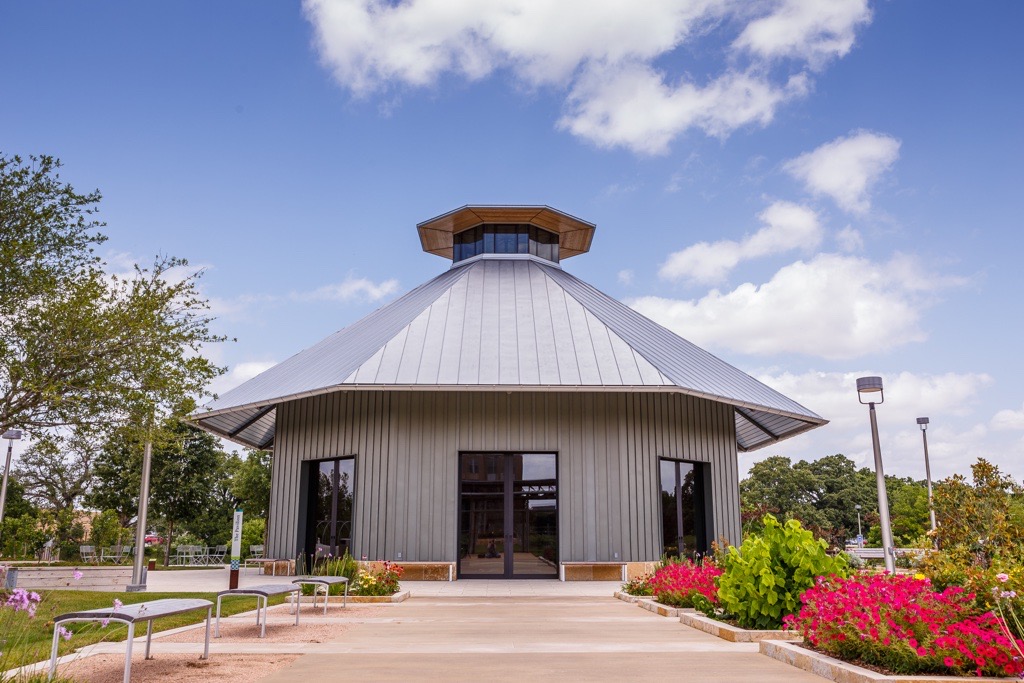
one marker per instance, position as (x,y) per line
(518,639)
(497,631)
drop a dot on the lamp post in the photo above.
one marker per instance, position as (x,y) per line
(860,536)
(870,386)
(11,435)
(138,579)
(923,422)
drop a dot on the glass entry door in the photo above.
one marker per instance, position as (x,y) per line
(508,515)
(331,484)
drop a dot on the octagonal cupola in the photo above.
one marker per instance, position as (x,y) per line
(477,231)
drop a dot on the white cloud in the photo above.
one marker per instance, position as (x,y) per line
(626,277)
(846,168)
(350,289)
(239,373)
(809,30)
(955,439)
(831,306)
(849,239)
(601,51)
(633,106)
(1008,419)
(787,226)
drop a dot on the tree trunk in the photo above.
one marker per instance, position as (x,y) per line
(170,537)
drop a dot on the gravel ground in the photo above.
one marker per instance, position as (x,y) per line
(178,668)
(224,668)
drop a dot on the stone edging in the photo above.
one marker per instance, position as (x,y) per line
(731,633)
(652,605)
(839,671)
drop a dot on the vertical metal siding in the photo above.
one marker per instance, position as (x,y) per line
(406,446)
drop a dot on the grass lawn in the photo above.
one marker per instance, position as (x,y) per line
(24,640)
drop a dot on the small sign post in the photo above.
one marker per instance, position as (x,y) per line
(236,548)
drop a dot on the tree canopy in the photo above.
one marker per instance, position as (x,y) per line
(80,346)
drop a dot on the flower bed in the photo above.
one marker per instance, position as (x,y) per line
(898,623)
(675,584)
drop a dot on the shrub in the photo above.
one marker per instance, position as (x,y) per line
(901,624)
(762,580)
(380,579)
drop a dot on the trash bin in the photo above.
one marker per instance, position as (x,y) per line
(152,565)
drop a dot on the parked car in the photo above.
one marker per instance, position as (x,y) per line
(153,539)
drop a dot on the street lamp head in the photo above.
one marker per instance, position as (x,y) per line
(923,421)
(870,385)
(857,506)
(12,434)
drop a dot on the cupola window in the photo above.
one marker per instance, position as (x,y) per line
(514,238)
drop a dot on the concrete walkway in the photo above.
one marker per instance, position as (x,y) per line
(516,639)
(474,630)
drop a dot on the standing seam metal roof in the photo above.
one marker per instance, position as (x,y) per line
(514,324)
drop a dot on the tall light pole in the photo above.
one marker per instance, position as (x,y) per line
(860,536)
(138,584)
(923,422)
(11,435)
(870,386)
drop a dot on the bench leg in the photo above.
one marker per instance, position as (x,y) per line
(327,595)
(53,653)
(344,602)
(263,630)
(206,647)
(217,631)
(298,595)
(149,637)
(128,654)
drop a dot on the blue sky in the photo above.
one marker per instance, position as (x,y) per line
(812,191)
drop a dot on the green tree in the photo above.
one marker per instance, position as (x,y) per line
(77,346)
(117,475)
(251,483)
(56,470)
(775,487)
(187,468)
(17,505)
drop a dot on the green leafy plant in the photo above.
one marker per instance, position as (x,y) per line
(764,578)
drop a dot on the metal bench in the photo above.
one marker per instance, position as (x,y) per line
(324,582)
(131,615)
(262,593)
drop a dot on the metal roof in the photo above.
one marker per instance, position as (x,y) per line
(508,323)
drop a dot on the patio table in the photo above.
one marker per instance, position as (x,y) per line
(131,615)
(324,582)
(261,593)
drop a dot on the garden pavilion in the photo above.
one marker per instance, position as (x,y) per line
(504,418)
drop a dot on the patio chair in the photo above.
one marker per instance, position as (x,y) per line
(217,556)
(127,552)
(88,553)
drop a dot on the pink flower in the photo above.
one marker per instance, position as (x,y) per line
(76,575)
(1002,578)
(64,633)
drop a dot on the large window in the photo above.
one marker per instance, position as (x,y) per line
(684,521)
(330,501)
(505,239)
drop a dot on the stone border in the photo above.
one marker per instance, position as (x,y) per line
(733,634)
(839,671)
(626,597)
(661,609)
